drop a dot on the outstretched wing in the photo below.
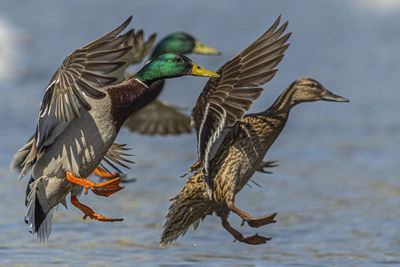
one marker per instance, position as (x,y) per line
(140,47)
(81,76)
(97,64)
(159,118)
(225,99)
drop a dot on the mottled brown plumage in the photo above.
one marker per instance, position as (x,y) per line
(218,110)
(225,100)
(238,157)
(238,151)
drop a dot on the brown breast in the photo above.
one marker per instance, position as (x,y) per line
(127,98)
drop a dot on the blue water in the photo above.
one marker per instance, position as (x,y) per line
(336,190)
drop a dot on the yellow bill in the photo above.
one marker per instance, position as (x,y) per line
(200,48)
(199,71)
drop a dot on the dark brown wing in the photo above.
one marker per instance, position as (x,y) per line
(159,118)
(225,99)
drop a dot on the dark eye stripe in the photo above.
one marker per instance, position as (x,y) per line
(312,85)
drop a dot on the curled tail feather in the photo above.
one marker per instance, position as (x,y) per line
(190,206)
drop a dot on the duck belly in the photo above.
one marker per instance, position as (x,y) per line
(239,162)
(79,148)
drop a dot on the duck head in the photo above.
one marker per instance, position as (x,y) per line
(182,43)
(309,90)
(170,66)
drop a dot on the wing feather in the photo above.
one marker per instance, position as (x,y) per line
(159,118)
(224,100)
(81,76)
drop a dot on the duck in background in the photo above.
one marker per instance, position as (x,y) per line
(231,147)
(159,117)
(83,109)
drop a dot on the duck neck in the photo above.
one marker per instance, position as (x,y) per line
(284,102)
(146,75)
(124,99)
(151,94)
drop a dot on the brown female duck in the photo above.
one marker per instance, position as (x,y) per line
(232,148)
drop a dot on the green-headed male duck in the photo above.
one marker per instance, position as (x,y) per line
(159,117)
(231,147)
(154,116)
(79,119)
(138,50)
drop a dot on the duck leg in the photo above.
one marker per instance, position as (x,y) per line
(102,173)
(267,164)
(252,221)
(90,213)
(102,189)
(252,240)
(106,175)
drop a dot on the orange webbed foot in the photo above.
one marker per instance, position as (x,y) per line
(102,189)
(90,213)
(105,174)
(252,221)
(260,221)
(253,239)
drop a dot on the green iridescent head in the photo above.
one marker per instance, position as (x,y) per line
(181,43)
(169,66)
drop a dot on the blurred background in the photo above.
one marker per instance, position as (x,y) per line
(337,187)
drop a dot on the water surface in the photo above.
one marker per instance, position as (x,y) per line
(336,190)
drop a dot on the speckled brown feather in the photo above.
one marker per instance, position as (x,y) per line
(224,100)
(188,208)
(239,156)
(247,144)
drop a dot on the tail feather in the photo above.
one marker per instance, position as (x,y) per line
(37,218)
(190,206)
(24,158)
(20,158)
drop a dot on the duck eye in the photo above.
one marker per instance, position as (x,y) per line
(178,59)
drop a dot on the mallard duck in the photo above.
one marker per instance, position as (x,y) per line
(81,113)
(159,117)
(231,147)
(153,116)
(139,49)
(182,43)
